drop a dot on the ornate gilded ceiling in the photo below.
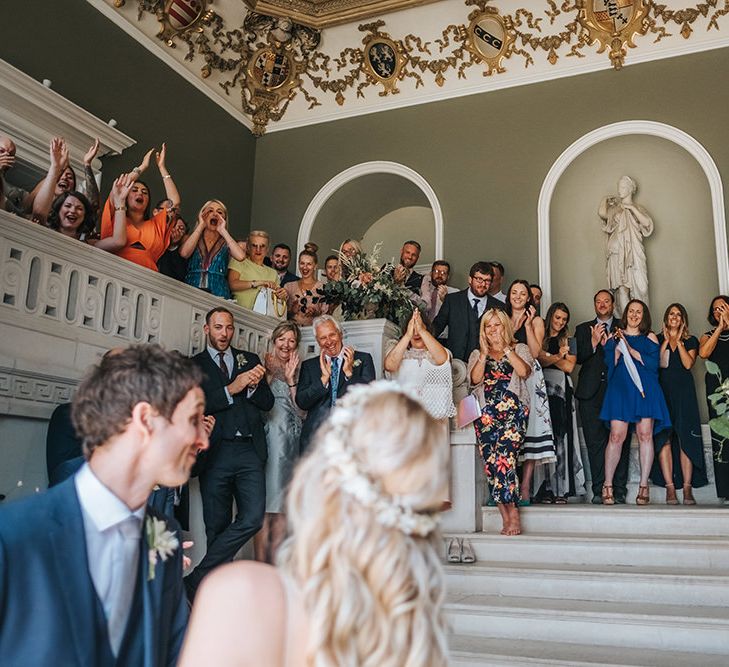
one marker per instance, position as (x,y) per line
(326,13)
(274,72)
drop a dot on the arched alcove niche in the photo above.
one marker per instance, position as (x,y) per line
(680,186)
(375,201)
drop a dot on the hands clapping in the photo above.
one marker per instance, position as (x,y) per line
(247,380)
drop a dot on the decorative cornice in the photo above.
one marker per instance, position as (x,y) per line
(487,46)
(326,13)
(32,114)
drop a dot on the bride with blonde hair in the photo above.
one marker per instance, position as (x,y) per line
(360,581)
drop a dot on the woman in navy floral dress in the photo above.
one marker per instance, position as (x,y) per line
(497,371)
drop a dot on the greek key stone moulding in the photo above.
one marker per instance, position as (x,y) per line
(269,60)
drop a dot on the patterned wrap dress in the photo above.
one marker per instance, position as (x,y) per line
(501,430)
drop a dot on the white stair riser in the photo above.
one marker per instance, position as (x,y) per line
(599,520)
(631,632)
(609,587)
(597,554)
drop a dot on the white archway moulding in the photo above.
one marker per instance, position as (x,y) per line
(652,128)
(362,169)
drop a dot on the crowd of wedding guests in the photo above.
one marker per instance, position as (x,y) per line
(629,380)
(298,446)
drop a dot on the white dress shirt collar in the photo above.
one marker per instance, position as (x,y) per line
(227,355)
(482,301)
(99,503)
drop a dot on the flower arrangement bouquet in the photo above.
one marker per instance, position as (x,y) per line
(368,290)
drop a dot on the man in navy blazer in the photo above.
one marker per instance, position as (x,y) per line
(324,378)
(90,576)
(462,311)
(236,394)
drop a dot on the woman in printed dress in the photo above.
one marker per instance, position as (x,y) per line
(498,370)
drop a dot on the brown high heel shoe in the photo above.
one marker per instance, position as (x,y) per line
(671,498)
(607,494)
(644,496)
(688,496)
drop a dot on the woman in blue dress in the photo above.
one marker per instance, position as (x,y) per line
(209,247)
(680,449)
(624,404)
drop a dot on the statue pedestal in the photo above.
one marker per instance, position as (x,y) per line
(370,336)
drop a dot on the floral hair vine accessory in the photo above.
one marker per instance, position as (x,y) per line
(389,511)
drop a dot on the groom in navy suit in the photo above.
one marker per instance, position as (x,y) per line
(90,576)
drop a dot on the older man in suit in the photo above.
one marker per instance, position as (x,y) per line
(590,392)
(236,394)
(325,378)
(89,574)
(462,312)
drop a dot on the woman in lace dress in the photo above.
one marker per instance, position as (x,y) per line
(305,294)
(360,579)
(283,429)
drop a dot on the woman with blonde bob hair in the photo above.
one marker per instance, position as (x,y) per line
(209,247)
(498,372)
(360,582)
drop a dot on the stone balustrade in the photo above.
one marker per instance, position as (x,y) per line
(62,305)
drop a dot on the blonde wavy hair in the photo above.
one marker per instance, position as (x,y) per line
(363,543)
(505,321)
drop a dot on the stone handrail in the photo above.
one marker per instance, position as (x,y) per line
(62,303)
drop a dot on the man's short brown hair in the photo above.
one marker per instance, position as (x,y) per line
(103,404)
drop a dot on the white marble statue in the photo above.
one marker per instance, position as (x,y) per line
(625,224)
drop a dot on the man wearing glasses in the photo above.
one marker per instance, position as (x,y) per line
(461,312)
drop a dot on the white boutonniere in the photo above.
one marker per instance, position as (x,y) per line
(357,362)
(161,542)
(241,360)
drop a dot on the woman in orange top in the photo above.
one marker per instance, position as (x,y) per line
(147,237)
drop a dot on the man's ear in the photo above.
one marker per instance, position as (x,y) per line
(143,415)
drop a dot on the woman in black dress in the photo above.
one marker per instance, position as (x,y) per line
(680,449)
(714,346)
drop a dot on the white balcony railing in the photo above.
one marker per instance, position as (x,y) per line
(62,303)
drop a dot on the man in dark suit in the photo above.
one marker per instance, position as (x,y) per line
(90,575)
(404,273)
(64,455)
(591,386)
(462,312)
(236,393)
(280,260)
(325,378)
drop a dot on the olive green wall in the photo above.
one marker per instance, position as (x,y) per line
(486,156)
(98,66)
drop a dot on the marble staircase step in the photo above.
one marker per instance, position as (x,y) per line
(468,651)
(705,552)
(648,521)
(636,625)
(615,583)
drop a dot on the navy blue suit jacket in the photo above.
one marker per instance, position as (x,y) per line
(315,398)
(47,597)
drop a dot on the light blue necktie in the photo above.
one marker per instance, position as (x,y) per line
(335,379)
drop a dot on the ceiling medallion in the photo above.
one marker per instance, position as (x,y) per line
(614,23)
(273,69)
(178,17)
(489,38)
(384,58)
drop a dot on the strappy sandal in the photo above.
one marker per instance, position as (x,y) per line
(607,494)
(671,498)
(644,496)
(688,496)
